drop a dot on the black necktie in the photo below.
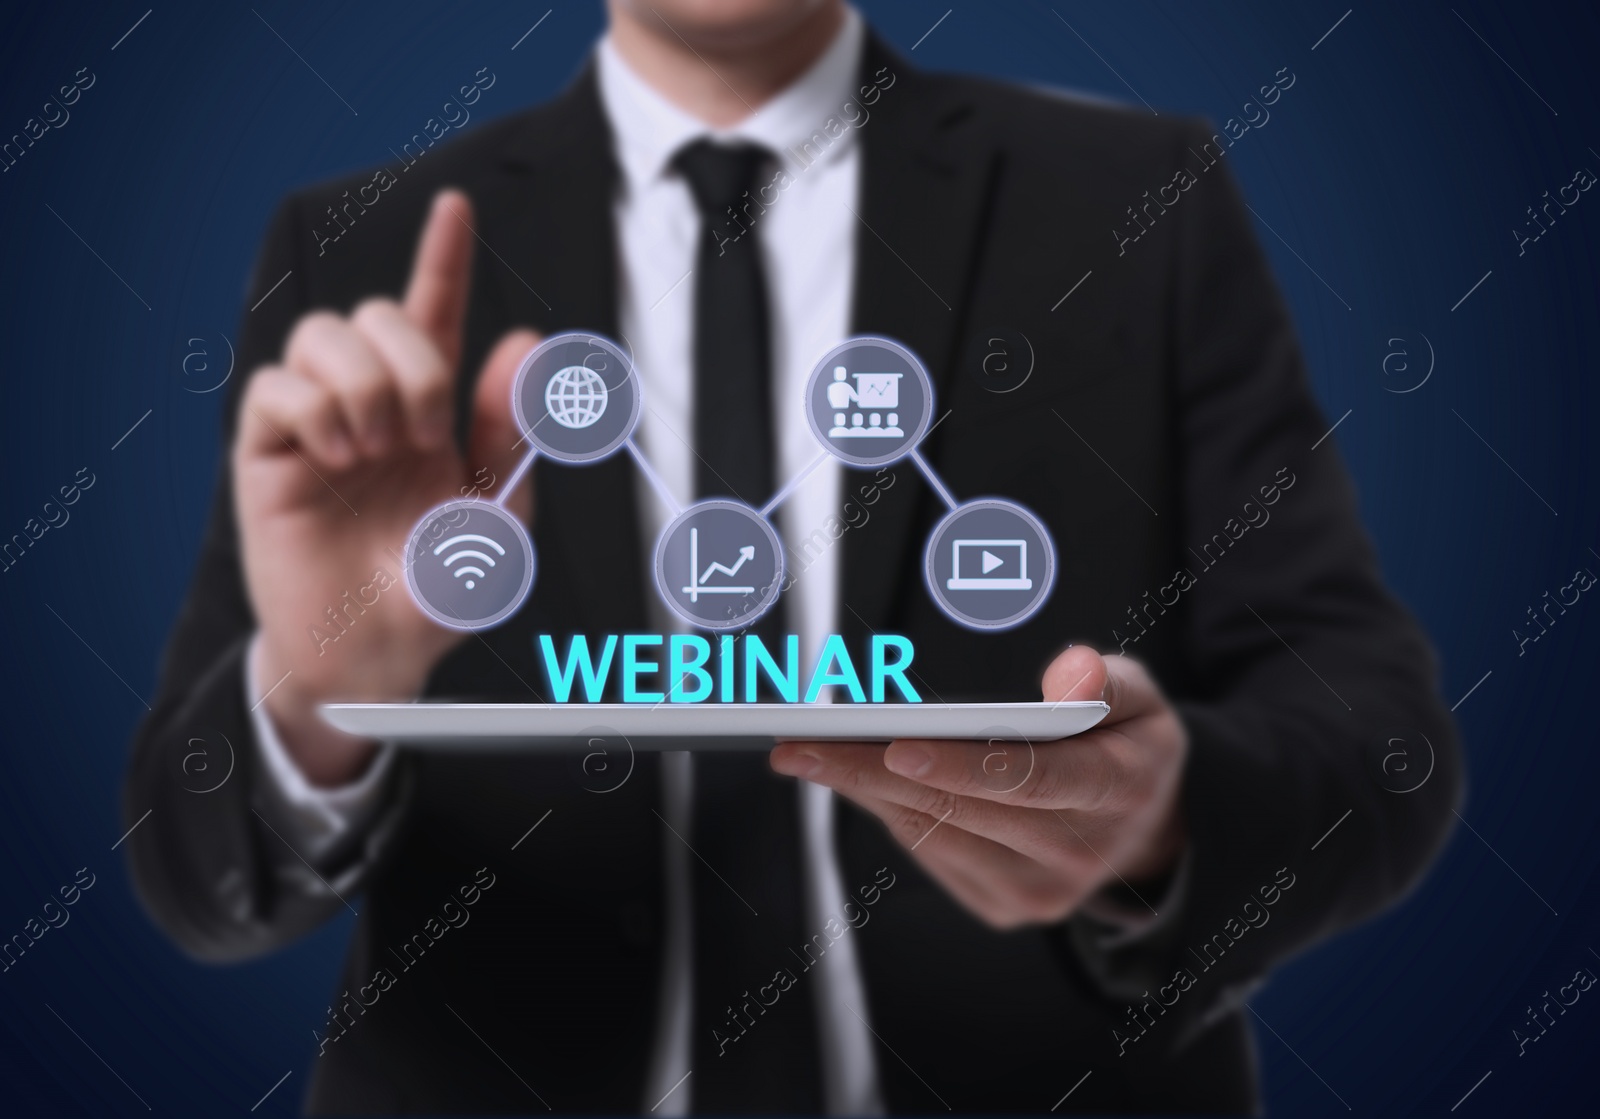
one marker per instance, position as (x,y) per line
(732,359)
(755,1042)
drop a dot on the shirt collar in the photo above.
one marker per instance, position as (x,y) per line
(649,129)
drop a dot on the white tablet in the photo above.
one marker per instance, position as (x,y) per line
(539,726)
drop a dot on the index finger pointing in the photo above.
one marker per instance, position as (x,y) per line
(436,297)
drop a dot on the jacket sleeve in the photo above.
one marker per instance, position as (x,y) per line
(1323,769)
(215,859)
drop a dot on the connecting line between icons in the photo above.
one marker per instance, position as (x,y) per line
(933,479)
(517,475)
(733,550)
(655,480)
(794,484)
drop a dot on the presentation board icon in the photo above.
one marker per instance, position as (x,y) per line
(576,397)
(469,564)
(869,401)
(719,565)
(990,564)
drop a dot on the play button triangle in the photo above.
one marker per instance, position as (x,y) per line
(991,561)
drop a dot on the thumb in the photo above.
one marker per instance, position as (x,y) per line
(1078,674)
(495,445)
(1121,683)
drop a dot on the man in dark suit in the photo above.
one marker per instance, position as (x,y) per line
(535,934)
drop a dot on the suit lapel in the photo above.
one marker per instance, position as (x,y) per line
(555,236)
(927,173)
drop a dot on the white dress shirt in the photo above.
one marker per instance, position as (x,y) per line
(807,241)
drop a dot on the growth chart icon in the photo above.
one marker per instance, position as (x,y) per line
(700,581)
(719,565)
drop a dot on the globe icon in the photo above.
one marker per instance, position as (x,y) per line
(575,397)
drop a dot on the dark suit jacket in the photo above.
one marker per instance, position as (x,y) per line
(1175,365)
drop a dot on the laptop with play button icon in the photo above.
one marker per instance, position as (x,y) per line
(989,565)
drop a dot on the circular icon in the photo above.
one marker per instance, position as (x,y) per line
(469,564)
(1400,759)
(1405,372)
(576,397)
(869,401)
(719,565)
(990,564)
(1002,360)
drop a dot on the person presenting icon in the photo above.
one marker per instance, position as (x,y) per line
(841,395)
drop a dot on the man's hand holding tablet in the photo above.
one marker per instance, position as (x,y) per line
(1027,838)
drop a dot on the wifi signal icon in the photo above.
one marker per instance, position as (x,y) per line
(469,564)
(470,572)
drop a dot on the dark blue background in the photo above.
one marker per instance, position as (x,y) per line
(1397,167)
